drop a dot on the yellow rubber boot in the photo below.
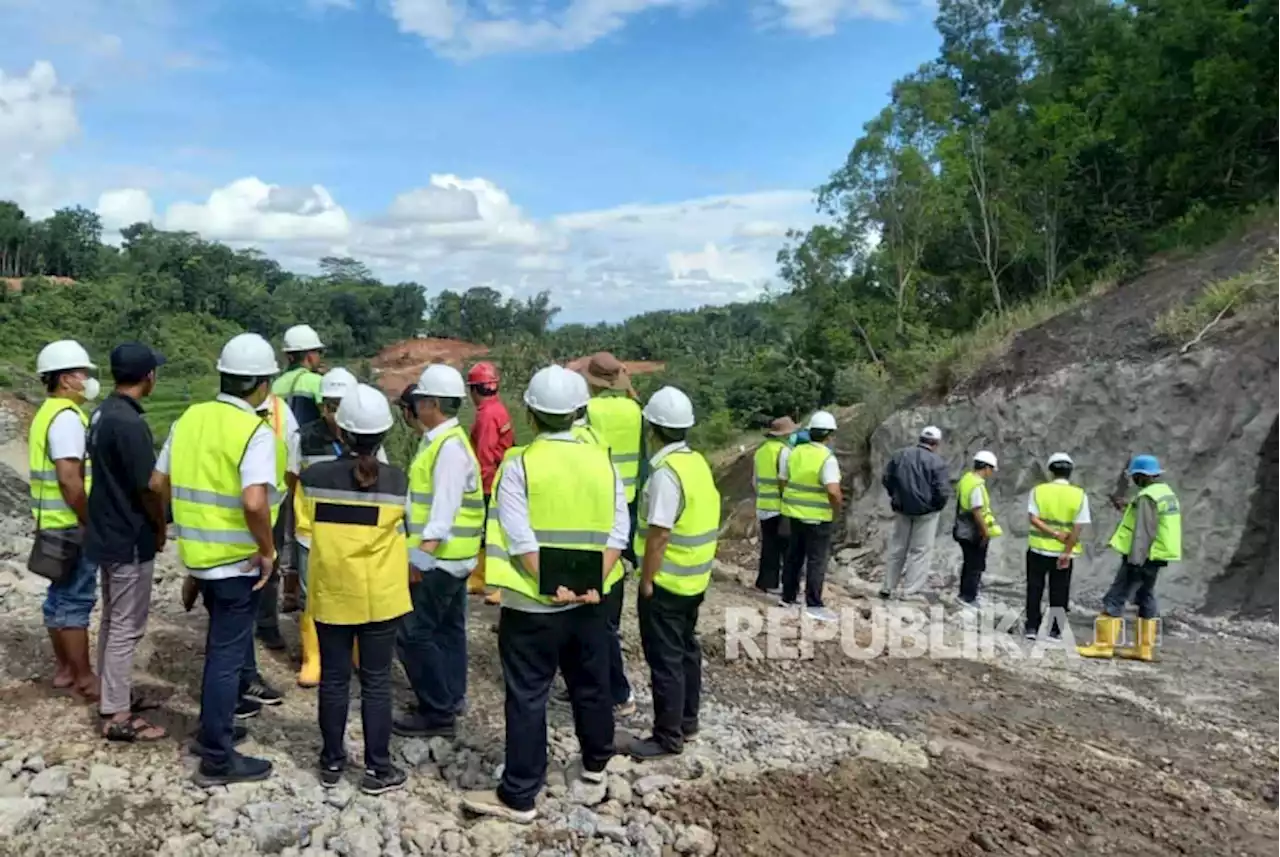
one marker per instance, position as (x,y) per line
(475,580)
(309,675)
(1145,650)
(1106,630)
(355,654)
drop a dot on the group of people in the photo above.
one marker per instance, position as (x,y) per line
(288,469)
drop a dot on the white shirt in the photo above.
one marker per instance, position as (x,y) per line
(66,436)
(452,475)
(1082,516)
(257,467)
(975,498)
(830,468)
(513,515)
(663,496)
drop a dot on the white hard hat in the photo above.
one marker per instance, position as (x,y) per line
(584,391)
(248,355)
(1061,458)
(302,337)
(554,390)
(337,383)
(63,354)
(986,457)
(822,420)
(364,410)
(931,433)
(442,381)
(669,408)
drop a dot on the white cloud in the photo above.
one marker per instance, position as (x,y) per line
(124,207)
(821,17)
(37,115)
(249,210)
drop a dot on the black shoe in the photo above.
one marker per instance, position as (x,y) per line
(248,708)
(243,769)
(690,732)
(414,726)
(330,775)
(239,734)
(885,594)
(649,749)
(270,639)
(381,782)
(261,692)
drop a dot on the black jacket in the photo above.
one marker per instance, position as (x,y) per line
(917,481)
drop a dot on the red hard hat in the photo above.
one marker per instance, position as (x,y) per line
(482,374)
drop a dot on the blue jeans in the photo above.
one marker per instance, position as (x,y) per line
(229,663)
(432,644)
(70,601)
(1137,584)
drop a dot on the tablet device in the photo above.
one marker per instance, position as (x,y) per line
(577,570)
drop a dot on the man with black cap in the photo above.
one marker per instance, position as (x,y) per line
(126,529)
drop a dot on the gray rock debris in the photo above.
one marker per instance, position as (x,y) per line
(18,814)
(50,782)
(652,783)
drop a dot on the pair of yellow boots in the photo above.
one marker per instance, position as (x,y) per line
(1107,631)
(309,674)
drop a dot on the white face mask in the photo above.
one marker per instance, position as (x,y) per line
(91,389)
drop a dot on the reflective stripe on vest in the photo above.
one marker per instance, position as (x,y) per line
(686,563)
(805,497)
(964,489)
(570,486)
(766,464)
(48,507)
(209,441)
(465,531)
(1167,546)
(618,421)
(1059,504)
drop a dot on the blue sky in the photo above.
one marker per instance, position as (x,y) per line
(626,154)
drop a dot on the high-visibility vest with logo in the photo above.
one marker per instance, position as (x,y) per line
(768,499)
(209,441)
(358,561)
(686,564)
(47,504)
(805,497)
(464,535)
(619,423)
(1059,503)
(297,381)
(1168,544)
(964,493)
(570,486)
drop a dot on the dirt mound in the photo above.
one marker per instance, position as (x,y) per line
(402,362)
(14,284)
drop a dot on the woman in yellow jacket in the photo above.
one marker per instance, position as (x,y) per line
(358,583)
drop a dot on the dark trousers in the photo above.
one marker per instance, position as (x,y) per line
(1041,568)
(807,551)
(629,552)
(619,687)
(773,547)
(1136,583)
(377,643)
(432,644)
(268,616)
(532,646)
(668,633)
(973,562)
(229,663)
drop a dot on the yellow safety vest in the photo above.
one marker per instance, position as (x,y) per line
(358,561)
(686,564)
(964,488)
(768,499)
(296,382)
(619,423)
(47,505)
(805,497)
(209,441)
(587,434)
(1059,503)
(464,535)
(1168,543)
(570,486)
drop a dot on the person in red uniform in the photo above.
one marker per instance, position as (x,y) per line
(491,437)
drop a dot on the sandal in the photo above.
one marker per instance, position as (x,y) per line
(133,730)
(139,703)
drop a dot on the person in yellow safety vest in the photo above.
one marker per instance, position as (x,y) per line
(1149,537)
(676,542)
(809,476)
(765,468)
(560,517)
(1057,511)
(284,425)
(304,350)
(445,518)
(60,478)
(223,470)
(975,525)
(355,506)
(615,416)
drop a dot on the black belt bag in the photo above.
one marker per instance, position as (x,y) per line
(55,554)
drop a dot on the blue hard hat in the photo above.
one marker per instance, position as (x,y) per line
(1147,465)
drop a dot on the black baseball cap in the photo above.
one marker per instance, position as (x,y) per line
(133,360)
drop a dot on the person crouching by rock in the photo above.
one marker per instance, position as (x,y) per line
(357,583)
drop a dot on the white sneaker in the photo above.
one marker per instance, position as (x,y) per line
(488,803)
(788,605)
(595,777)
(820,614)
